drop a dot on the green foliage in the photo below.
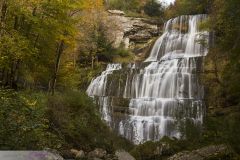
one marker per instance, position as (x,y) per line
(187,7)
(87,74)
(106,52)
(153,8)
(24,125)
(125,5)
(190,130)
(223,58)
(225,23)
(34,121)
(29,36)
(223,127)
(163,148)
(75,117)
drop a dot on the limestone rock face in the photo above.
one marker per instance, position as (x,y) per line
(130,31)
(220,152)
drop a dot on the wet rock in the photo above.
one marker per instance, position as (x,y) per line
(220,152)
(97,153)
(123,155)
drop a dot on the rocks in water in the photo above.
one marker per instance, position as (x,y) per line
(123,155)
(220,152)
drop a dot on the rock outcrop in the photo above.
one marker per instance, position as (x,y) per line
(220,152)
(97,153)
(123,155)
(134,33)
(78,154)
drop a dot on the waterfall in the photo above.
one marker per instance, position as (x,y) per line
(155,99)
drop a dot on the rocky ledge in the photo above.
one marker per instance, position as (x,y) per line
(135,33)
(218,152)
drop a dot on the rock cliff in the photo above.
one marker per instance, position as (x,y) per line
(136,34)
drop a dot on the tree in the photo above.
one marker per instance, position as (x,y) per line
(188,7)
(34,35)
(125,5)
(153,8)
(225,23)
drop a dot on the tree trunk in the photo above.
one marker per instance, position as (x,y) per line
(92,61)
(3,12)
(59,52)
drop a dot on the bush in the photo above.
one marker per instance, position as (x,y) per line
(125,5)
(33,121)
(153,8)
(187,7)
(24,125)
(75,117)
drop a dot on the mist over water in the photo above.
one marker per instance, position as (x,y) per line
(154,99)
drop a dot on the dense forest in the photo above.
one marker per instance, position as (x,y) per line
(51,49)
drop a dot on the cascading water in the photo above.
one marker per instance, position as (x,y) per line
(157,97)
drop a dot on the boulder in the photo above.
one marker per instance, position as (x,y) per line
(111,157)
(123,155)
(78,154)
(220,152)
(30,155)
(97,153)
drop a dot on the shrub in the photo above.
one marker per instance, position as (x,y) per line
(153,8)
(74,115)
(24,125)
